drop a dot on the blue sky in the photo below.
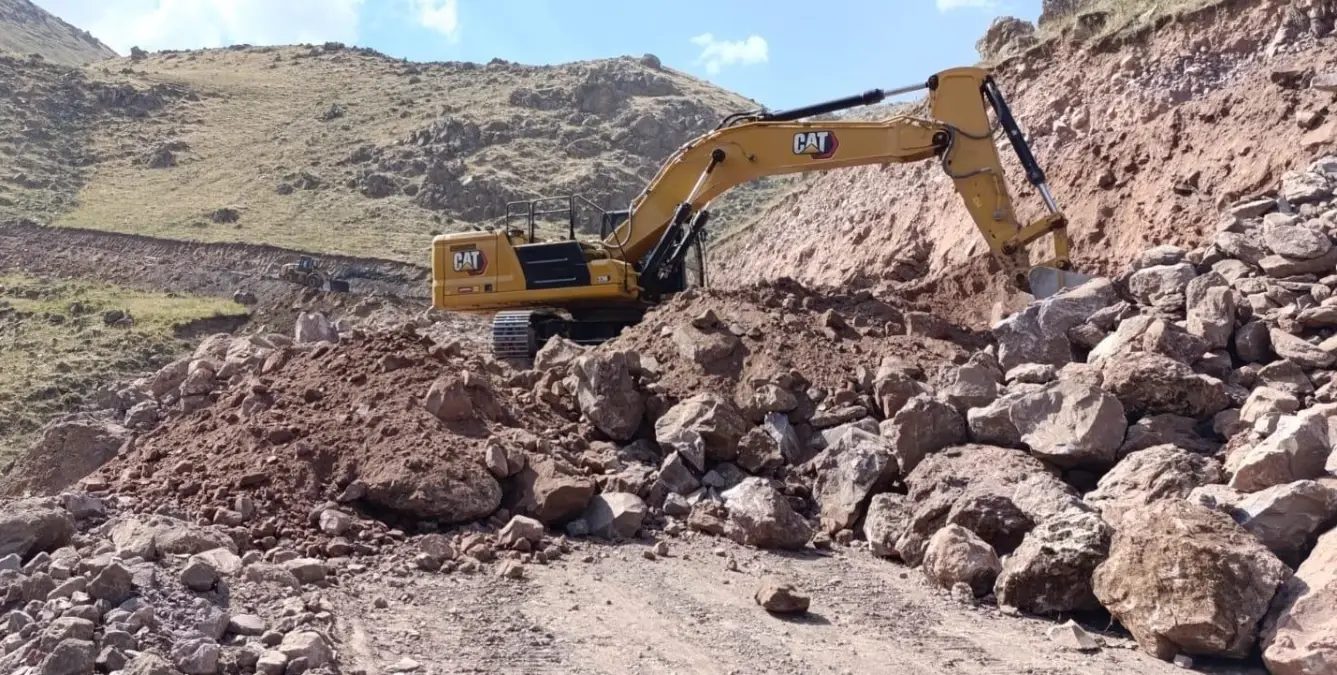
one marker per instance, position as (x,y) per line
(781,52)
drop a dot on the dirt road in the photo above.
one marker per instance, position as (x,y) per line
(621,614)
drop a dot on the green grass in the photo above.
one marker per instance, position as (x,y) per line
(55,348)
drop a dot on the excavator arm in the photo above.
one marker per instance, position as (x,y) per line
(667,216)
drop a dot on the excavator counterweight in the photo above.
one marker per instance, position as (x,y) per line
(587,291)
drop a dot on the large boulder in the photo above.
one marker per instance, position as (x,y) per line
(29,527)
(1287,518)
(607,394)
(1071,425)
(703,427)
(1153,383)
(1153,474)
(1297,449)
(1050,573)
(1183,578)
(1038,333)
(888,517)
(446,488)
(856,466)
(552,491)
(956,555)
(1298,637)
(761,517)
(67,450)
(923,426)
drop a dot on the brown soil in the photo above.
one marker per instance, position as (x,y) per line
(783,327)
(329,416)
(1143,135)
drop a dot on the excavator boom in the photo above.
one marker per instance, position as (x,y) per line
(588,291)
(958,134)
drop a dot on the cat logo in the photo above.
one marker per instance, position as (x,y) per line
(818,144)
(471,261)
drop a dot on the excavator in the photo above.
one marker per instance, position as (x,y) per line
(588,291)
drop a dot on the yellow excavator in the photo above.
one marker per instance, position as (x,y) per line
(588,291)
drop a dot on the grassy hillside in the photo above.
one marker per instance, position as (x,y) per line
(340,150)
(28,29)
(57,347)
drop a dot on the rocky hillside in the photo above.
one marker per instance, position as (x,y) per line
(26,29)
(337,149)
(1144,135)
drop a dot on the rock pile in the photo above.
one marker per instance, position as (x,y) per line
(87,588)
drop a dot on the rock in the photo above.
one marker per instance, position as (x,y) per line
(1253,343)
(1304,187)
(1212,318)
(1302,353)
(1297,449)
(781,597)
(69,657)
(1281,267)
(956,555)
(1050,572)
(199,575)
(759,452)
(992,516)
(615,515)
(552,491)
(992,424)
(704,426)
(888,517)
(558,353)
(306,570)
(1170,429)
(1073,637)
(971,386)
(760,517)
(68,449)
(607,394)
(923,426)
(272,663)
(1070,425)
(449,400)
(1287,518)
(449,488)
(1294,241)
(520,528)
(113,584)
(1037,334)
(246,624)
(1265,401)
(1153,285)
(196,656)
(1297,639)
(1184,578)
(1151,383)
(704,347)
(148,663)
(314,327)
(857,465)
(1150,475)
(893,388)
(27,528)
(309,645)
(676,477)
(224,561)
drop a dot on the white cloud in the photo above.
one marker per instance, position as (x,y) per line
(716,54)
(948,5)
(442,16)
(192,24)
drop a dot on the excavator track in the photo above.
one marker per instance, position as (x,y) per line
(513,335)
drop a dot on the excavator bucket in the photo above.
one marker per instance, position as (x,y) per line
(1047,281)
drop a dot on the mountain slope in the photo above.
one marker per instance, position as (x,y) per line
(1143,135)
(343,150)
(27,29)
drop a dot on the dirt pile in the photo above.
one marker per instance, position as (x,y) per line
(1144,137)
